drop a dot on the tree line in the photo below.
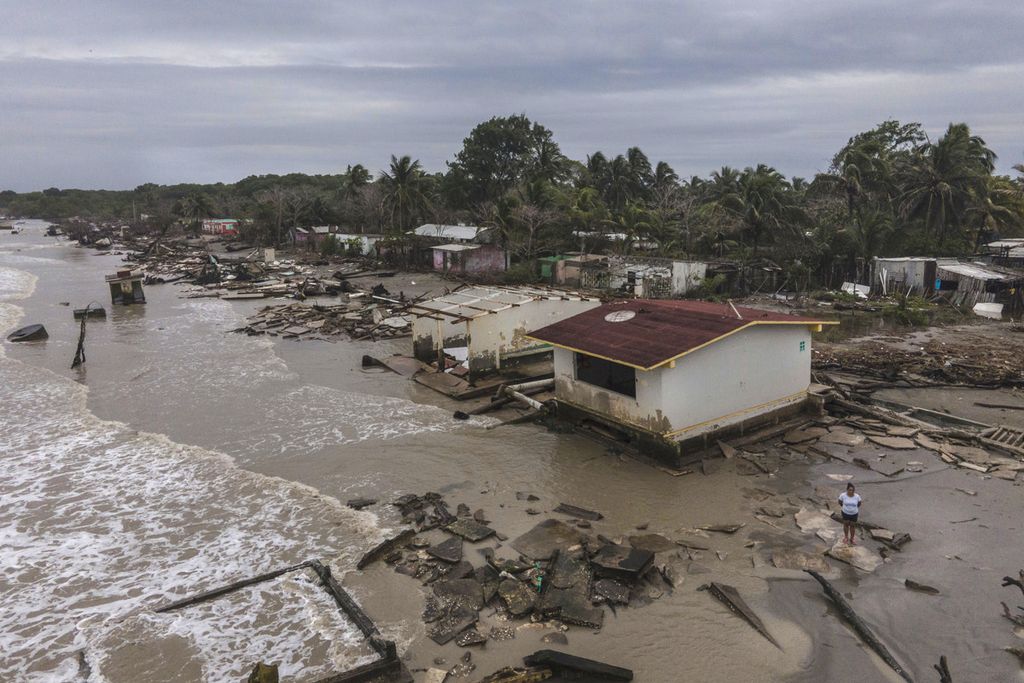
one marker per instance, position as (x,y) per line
(890,190)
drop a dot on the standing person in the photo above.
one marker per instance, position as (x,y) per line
(850,508)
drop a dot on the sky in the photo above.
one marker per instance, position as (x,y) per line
(112,94)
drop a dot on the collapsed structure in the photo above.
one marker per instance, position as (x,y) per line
(486,326)
(126,287)
(666,375)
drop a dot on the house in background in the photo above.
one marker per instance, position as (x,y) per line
(969,284)
(898,275)
(1008,252)
(315,234)
(463,249)
(670,376)
(487,325)
(227,227)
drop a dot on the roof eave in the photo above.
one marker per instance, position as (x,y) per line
(809,323)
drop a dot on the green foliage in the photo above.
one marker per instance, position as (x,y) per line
(331,246)
(889,191)
(502,155)
(522,273)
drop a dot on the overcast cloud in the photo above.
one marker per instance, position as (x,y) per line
(114,94)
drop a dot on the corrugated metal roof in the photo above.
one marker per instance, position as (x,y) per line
(464,233)
(473,302)
(971,270)
(456,247)
(659,331)
(899,259)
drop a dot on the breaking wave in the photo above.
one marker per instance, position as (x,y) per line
(100,523)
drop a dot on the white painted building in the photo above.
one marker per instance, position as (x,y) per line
(489,324)
(667,374)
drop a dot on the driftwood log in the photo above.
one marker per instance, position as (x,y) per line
(730,597)
(858,625)
(1019,583)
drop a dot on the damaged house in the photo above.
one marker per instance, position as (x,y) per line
(665,376)
(487,326)
(463,249)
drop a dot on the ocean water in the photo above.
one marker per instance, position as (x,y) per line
(100,522)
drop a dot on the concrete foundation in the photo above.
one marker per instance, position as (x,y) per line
(668,451)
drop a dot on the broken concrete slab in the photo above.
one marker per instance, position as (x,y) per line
(470,637)
(925,441)
(452,624)
(459,570)
(797,559)
(360,503)
(674,570)
(884,467)
(449,550)
(435,676)
(581,513)
(621,562)
(655,543)
(819,524)
(470,529)
(796,436)
(567,594)
(519,599)
(850,439)
(908,432)
(556,638)
(541,542)
(612,591)
(463,592)
(899,443)
(856,556)
(385,548)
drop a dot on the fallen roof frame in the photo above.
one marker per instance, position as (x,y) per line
(388,668)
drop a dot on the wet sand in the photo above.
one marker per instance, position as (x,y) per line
(240,448)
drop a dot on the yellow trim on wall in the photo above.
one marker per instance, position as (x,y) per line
(815,326)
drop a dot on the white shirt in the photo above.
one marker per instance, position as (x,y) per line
(851,504)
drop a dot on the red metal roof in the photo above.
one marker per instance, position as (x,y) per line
(659,330)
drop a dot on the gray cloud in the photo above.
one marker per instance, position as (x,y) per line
(113,94)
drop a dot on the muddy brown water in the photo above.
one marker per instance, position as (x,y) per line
(183,457)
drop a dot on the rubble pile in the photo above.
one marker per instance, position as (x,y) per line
(358,318)
(973,359)
(556,574)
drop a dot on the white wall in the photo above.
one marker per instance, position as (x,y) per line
(642,411)
(753,371)
(687,275)
(498,334)
(737,377)
(426,340)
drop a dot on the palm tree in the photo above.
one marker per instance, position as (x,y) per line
(997,211)
(665,176)
(939,182)
(404,192)
(633,222)
(619,184)
(195,207)
(763,202)
(355,179)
